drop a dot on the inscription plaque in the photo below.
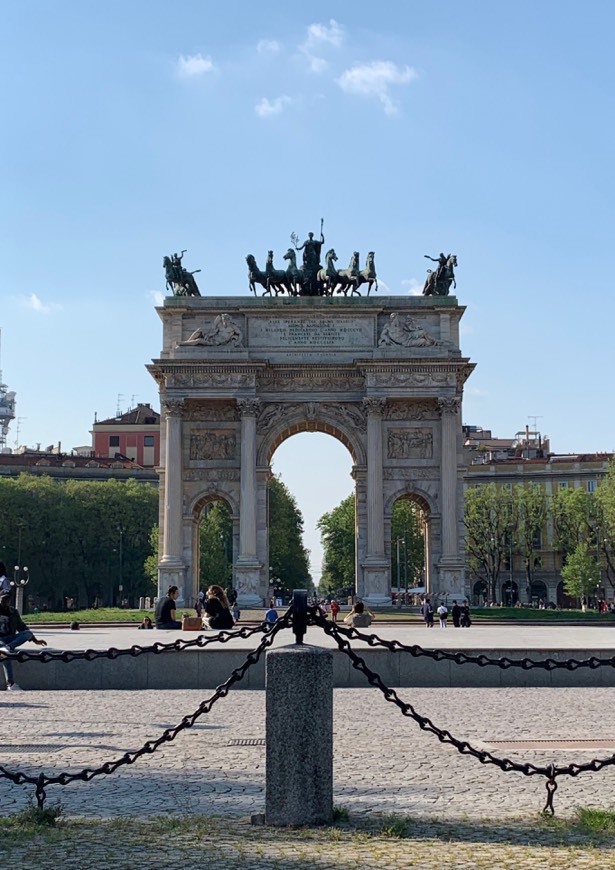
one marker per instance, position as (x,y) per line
(299,332)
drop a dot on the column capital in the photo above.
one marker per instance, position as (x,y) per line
(249,407)
(173,407)
(374,405)
(448,404)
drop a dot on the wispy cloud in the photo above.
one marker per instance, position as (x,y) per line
(319,37)
(34,303)
(375,80)
(157,297)
(266,108)
(415,288)
(268,46)
(192,65)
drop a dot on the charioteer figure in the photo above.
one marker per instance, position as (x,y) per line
(311,248)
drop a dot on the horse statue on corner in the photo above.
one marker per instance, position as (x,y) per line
(438,282)
(178,280)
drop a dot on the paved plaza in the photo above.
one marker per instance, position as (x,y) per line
(384,765)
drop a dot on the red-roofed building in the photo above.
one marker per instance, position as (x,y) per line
(134,435)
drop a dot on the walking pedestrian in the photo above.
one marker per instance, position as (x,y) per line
(427,611)
(443,614)
(466,622)
(335,609)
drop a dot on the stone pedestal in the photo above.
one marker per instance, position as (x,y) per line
(299,727)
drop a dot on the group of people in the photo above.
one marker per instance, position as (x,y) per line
(213,607)
(460,614)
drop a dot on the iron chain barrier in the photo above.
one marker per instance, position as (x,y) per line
(298,617)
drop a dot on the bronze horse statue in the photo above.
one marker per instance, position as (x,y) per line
(348,278)
(438,282)
(179,281)
(255,276)
(368,274)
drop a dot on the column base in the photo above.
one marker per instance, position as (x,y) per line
(376,581)
(450,580)
(247,573)
(172,572)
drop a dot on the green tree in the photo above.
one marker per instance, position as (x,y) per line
(79,538)
(288,557)
(490,521)
(407,529)
(581,573)
(605,531)
(337,533)
(216,542)
(531,510)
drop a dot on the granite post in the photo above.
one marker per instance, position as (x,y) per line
(299,729)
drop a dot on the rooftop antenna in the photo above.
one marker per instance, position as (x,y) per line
(118,411)
(7,408)
(535,417)
(19,421)
(132,399)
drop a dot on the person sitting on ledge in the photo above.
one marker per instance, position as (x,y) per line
(147,623)
(217,611)
(13,632)
(359,617)
(165,610)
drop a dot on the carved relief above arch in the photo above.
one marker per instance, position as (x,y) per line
(212,494)
(345,422)
(424,499)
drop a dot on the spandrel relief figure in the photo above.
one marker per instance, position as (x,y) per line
(405,332)
(224,331)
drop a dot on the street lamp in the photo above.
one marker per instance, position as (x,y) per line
(21,578)
(398,542)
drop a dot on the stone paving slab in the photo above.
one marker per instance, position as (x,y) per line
(382,761)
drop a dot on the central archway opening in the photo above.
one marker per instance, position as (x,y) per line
(317,469)
(408,549)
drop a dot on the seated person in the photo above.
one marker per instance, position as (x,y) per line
(147,623)
(217,612)
(165,610)
(13,632)
(359,617)
(271,614)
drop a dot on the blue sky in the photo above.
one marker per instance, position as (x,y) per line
(132,130)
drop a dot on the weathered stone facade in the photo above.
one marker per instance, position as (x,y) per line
(238,376)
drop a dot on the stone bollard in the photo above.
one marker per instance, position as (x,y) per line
(299,736)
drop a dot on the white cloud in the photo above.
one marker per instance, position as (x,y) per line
(268,46)
(415,288)
(320,36)
(192,65)
(157,297)
(333,34)
(374,80)
(266,108)
(35,304)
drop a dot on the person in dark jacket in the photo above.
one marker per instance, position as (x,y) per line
(13,632)
(456,614)
(427,611)
(217,613)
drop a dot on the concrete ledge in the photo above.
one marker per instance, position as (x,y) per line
(208,668)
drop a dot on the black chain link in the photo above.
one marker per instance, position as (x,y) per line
(108,767)
(90,655)
(550,772)
(459,658)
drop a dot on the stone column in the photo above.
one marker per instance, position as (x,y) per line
(376,566)
(247,566)
(171,570)
(451,563)
(299,728)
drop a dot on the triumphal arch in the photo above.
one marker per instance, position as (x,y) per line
(383,374)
